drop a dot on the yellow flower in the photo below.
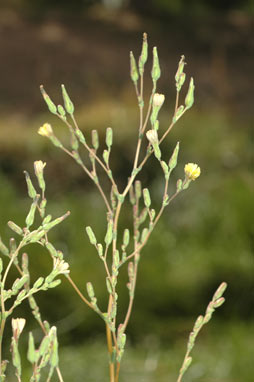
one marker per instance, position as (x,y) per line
(152,136)
(192,171)
(45,130)
(39,166)
(158,100)
(17,326)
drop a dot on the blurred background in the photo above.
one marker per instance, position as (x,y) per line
(205,237)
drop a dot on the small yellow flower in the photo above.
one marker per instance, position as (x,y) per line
(39,166)
(45,130)
(192,171)
(152,136)
(158,100)
(17,326)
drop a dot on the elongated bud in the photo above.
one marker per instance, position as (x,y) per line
(198,323)
(173,160)
(189,100)
(156,72)
(147,199)
(105,156)
(3,249)
(54,359)
(144,235)
(16,360)
(30,188)
(15,228)
(178,113)
(100,250)
(219,302)
(80,136)
(219,292)
(31,353)
(109,234)
(90,290)
(61,111)
(143,55)
(180,68)
(52,224)
(49,102)
(31,213)
(67,101)
(165,169)
(138,189)
(109,286)
(44,346)
(180,75)
(91,235)
(179,185)
(95,139)
(109,137)
(133,68)
(38,169)
(116,258)
(126,237)
(51,249)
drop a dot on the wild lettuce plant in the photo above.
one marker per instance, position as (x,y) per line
(117,250)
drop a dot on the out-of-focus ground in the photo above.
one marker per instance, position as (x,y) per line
(205,237)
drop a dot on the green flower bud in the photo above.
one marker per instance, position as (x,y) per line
(144,55)
(31,213)
(32,356)
(146,196)
(30,187)
(61,111)
(90,290)
(173,160)
(50,104)
(133,68)
(15,228)
(109,235)
(189,100)
(219,292)
(91,235)
(109,137)
(126,237)
(95,139)
(67,101)
(156,72)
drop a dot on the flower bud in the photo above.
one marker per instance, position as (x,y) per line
(134,70)
(189,100)
(156,72)
(67,101)
(144,55)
